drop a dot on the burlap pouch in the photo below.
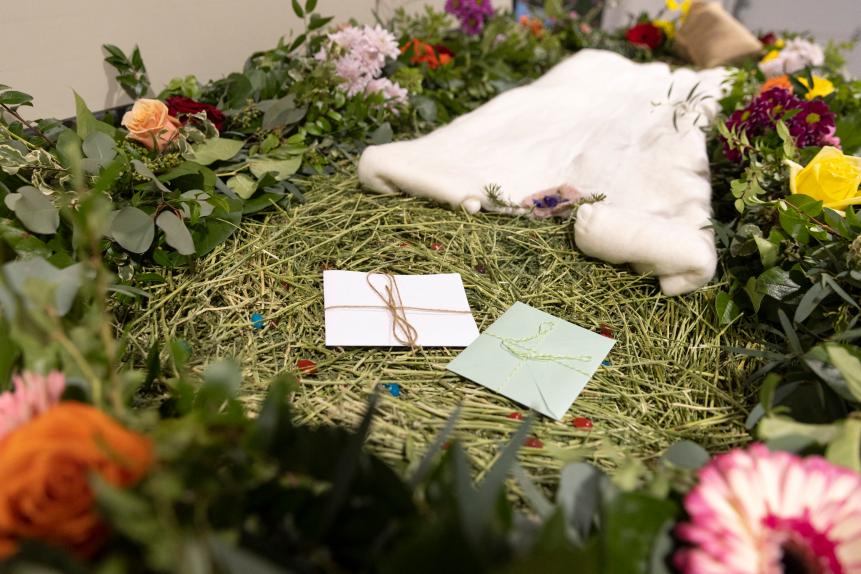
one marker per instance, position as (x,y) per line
(711,37)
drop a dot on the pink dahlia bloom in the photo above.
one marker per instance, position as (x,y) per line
(761,512)
(33,394)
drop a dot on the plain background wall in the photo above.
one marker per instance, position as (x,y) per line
(51,47)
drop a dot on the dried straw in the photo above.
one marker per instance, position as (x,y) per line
(669,379)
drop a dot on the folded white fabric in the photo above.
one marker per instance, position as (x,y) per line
(596,124)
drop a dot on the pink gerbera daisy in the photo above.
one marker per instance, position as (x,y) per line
(33,394)
(761,512)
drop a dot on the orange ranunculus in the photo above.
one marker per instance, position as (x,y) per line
(45,466)
(777,82)
(423,53)
(150,124)
(535,25)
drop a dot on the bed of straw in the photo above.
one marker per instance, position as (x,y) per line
(671,375)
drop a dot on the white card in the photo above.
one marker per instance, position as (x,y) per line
(435,305)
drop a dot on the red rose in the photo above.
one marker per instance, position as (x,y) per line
(645,35)
(177,105)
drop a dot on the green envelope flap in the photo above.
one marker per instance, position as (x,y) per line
(534,358)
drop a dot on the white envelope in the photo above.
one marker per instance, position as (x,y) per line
(435,305)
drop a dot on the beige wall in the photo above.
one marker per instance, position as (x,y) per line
(51,47)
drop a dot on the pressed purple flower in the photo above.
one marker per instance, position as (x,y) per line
(551,201)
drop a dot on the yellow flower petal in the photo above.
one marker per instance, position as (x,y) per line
(821,87)
(770,56)
(668,27)
(831,177)
(794,170)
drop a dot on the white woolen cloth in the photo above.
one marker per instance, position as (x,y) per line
(602,124)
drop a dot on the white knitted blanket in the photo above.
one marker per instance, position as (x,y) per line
(595,124)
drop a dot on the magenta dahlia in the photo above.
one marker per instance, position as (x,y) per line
(473,14)
(760,512)
(812,122)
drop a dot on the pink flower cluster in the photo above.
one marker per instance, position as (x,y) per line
(33,395)
(472,14)
(761,512)
(359,54)
(812,125)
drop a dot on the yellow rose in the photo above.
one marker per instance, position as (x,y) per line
(831,177)
(148,122)
(668,27)
(821,87)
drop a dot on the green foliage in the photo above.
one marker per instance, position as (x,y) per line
(131,71)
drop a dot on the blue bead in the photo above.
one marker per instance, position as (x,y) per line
(393,388)
(257,320)
(606,362)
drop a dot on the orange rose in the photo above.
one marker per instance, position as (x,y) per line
(150,124)
(777,82)
(45,467)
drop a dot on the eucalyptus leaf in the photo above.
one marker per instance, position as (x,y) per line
(242,185)
(142,169)
(281,113)
(845,448)
(133,229)
(11,199)
(175,232)
(283,168)
(215,149)
(773,428)
(34,278)
(687,454)
(36,211)
(382,135)
(100,146)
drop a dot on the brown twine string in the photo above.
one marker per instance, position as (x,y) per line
(402,330)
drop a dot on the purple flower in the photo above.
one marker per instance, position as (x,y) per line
(472,14)
(812,123)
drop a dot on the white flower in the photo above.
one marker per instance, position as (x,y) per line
(796,55)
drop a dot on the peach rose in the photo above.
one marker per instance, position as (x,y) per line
(45,466)
(150,124)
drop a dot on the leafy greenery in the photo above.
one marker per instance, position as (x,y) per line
(85,209)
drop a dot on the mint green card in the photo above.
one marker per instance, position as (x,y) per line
(534,358)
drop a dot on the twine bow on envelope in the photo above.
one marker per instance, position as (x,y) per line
(390,295)
(526,349)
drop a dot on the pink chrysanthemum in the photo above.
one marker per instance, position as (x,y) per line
(761,512)
(33,394)
(359,54)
